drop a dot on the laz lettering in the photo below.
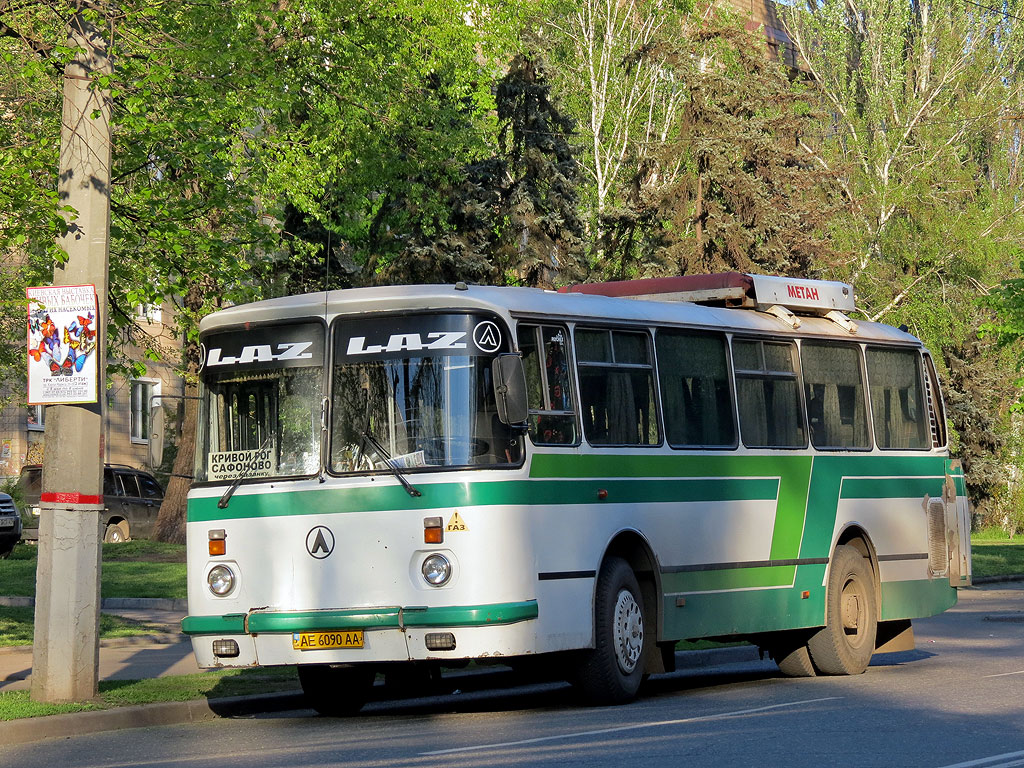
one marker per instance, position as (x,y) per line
(411,342)
(261,353)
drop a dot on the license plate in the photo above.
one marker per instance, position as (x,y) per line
(319,641)
(6,522)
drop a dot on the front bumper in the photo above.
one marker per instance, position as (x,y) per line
(264,637)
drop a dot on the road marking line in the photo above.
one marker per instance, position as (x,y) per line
(620,728)
(992,759)
(1005,674)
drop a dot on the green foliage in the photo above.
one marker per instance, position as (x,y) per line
(132,569)
(921,139)
(17,624)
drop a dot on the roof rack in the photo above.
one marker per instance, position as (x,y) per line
(781,297)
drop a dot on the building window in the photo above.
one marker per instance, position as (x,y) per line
(142,392)
(36,417)
(151,313)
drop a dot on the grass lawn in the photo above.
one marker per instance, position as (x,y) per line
(16,625)
(216,684)
(133,569)
(993,553)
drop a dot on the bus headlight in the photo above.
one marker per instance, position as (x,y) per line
(221,580)
(436,570)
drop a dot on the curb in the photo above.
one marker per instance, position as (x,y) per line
(997,579)
(112,603)
(31,729)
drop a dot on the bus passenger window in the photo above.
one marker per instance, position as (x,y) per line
(834,391)
(898,408)
(768,394)
(616,388)
(695,392)
(552,417)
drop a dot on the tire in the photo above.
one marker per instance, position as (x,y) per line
(5,553)
(845,645)
(336,691)
(793,661)
(611,672)
(116,533)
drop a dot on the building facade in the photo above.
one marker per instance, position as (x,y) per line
(126,423)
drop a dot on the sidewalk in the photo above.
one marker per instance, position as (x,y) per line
(127,658)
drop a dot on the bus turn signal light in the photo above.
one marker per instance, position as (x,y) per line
(218,542)
(433,530)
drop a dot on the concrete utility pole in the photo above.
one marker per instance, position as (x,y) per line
(65,659)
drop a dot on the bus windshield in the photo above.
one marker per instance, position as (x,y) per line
(260,403)
(417,393)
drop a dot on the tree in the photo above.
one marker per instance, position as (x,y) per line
(923,138)
(608,64)
(749,196)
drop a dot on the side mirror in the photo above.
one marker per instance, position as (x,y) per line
(509,388)
(156,433)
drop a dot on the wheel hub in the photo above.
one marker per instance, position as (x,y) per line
(852,607)
(628,631)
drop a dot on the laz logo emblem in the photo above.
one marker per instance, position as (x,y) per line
(261,353)
(413,342)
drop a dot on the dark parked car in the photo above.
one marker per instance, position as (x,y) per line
(10,525)
(132,500)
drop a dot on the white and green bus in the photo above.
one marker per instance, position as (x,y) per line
(428,475)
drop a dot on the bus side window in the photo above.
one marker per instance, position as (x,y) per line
(834,391)
(768,393)
(695,392)
(898,407)
(616,388)
(552,416)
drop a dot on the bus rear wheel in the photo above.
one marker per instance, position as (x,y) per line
(845,645)
(336,691)
(611,672)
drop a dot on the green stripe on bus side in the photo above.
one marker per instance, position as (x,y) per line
(902,474)
(892,487)
(742,612)
(512,492)
(915,599)
(728,578)
(286,622)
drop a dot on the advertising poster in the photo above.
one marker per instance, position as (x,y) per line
(62,341)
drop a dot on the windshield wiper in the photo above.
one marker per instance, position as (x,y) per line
(223,503)
(391,465)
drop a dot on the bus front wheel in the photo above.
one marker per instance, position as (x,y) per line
(844,646)
(611,672)
(336,691)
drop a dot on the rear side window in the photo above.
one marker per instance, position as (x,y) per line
(129,484)
(552,418)
(150,488)
(834,392)
(695,394)
(898,407)
(616,387)
(768,394)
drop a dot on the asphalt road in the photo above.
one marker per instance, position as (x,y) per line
(958,700)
